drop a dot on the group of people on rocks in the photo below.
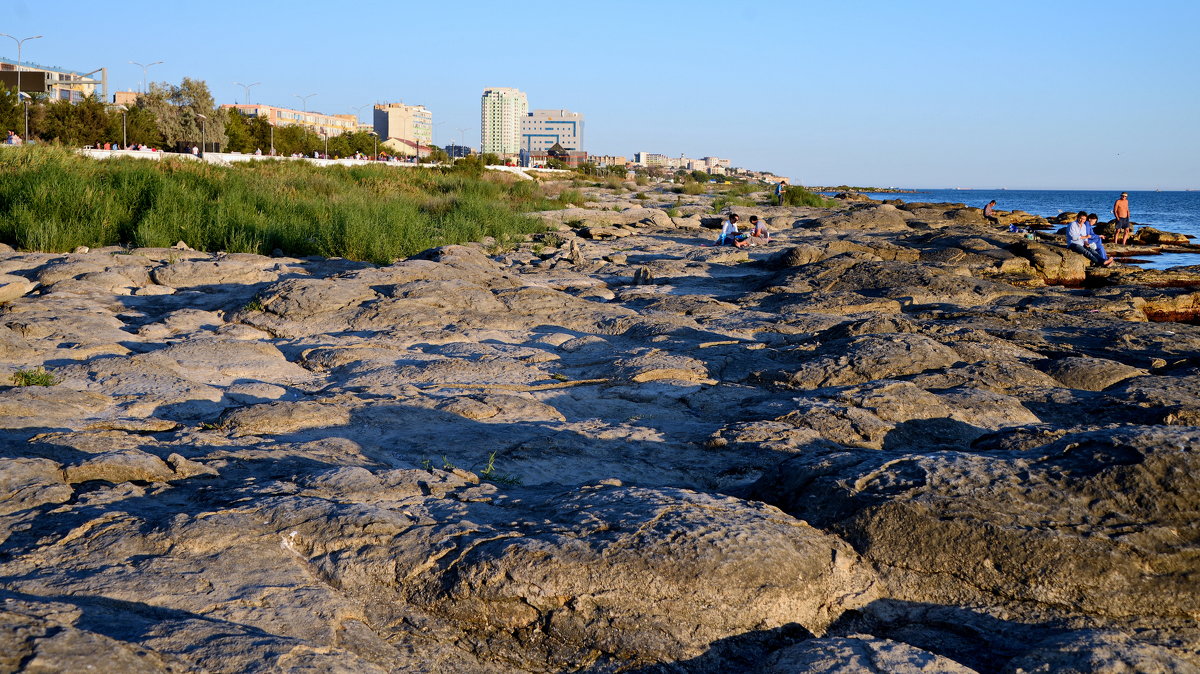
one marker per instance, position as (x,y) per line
(13,139)
(1081,233)
(731,236)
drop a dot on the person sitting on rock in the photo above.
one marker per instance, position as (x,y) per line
(758,229)
(730,235)
(1093,237)
(989,212)
(1079,241)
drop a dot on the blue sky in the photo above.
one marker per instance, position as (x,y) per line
(1050,94)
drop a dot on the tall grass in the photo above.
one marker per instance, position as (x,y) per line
(52,199)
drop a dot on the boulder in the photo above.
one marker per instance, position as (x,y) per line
(1101,523)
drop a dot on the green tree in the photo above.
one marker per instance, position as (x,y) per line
(237,132)
(178,109)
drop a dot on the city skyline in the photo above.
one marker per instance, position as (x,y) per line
(1070,95)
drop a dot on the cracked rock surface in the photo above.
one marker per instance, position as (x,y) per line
(893,439)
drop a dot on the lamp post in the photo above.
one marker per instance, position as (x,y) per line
(124,129)
(19,43)
(246,90)
(462,140)
(24,96)
(304,100)
(202,147)
(326,135)
(272,140)
(375,153)
(145,67)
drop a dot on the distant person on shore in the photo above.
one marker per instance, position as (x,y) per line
(780,191)
(758,229)
(1079,241)
(1120,211)
(989,212)
(730,235)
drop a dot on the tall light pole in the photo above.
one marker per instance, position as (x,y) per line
(246,90)
(19,43)
(326,134)
(145,67)
(375,154)
(462,139)
(124,129)
(304,100)
(201,118)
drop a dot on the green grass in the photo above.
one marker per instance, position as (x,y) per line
(34,377)
(52,200)
(722,202)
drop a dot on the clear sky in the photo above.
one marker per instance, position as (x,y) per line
(1055,94)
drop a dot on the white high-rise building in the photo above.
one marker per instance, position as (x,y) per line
(541,129)
(502,110)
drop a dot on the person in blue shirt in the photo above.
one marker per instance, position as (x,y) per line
(780,190)
(1092,220)
(1079,239)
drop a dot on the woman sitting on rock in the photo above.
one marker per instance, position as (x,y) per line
(730,235)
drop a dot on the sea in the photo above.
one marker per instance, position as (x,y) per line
(1168,211)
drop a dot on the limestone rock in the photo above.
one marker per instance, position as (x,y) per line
(1043,527)
(13,287)
(192,274)
(1091,374)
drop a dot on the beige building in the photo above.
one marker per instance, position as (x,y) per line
(608,160)
(400,122)
(325,125)
(55,83)
(502,109)
(543,129)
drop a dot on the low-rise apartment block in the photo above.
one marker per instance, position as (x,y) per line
(56,83)
(325,125)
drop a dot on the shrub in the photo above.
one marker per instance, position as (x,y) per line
(798,196)
(35,377)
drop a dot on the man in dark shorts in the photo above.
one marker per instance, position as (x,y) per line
(1120,211)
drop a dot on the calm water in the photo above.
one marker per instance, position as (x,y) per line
(1170,211)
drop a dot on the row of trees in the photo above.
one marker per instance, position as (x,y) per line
(166,116)
(173,117)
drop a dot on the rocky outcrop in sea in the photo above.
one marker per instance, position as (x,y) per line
(894,439)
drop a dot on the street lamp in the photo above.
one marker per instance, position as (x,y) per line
(24,96)
(375,153)
(202,146)
(462,140)
(19,43)
(246,90)
(145,67)
(326,135)
(304,100)
(124,130)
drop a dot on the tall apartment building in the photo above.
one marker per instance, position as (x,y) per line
(326,125)
(541,129)
(397,121)
(502,109)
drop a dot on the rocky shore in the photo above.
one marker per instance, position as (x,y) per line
(892,440)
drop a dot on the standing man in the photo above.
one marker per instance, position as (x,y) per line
(780,188)
(1120,211)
